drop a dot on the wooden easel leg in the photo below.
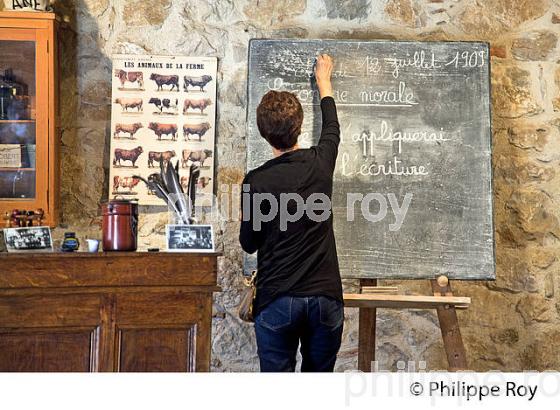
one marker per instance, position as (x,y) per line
(449,325)
(366,332)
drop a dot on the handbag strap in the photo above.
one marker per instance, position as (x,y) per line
(250,280)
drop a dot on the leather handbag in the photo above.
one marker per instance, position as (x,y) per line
(247,298)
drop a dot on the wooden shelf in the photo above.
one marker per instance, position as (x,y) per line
(16,169)
(36,15)
(374,301)
(16,121)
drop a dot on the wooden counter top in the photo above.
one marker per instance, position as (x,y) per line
(31,254)
(106,269)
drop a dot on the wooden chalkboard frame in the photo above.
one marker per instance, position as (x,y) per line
(489,273)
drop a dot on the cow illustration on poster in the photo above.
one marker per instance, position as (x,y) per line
(163,110)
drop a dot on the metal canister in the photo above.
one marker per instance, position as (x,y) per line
(120,225)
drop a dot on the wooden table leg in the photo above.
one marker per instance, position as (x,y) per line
(366,332)
(450,332)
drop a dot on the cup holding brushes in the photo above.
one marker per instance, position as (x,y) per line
(167,186)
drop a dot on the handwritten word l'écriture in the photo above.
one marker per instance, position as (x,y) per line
(352,166)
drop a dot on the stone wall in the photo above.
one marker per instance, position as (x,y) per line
(514,322)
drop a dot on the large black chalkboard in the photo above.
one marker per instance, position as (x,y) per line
(415,122)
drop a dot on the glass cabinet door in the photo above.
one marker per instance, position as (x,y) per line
(18,115)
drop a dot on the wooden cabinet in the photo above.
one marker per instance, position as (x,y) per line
(29,141)
(125,312)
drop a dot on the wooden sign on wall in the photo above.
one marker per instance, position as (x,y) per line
(413,183)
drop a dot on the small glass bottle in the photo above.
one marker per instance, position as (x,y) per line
(70,242)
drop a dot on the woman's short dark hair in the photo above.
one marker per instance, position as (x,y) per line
(279,118)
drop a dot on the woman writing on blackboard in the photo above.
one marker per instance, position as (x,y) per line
(287,218)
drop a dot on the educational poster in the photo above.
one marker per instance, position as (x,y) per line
(163,109)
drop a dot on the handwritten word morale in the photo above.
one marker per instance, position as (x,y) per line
(402,95)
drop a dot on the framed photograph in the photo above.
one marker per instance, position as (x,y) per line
(35,239)
(2,243)
(10,155)
(190,238)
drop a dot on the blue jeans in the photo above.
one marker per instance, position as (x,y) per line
(314,321)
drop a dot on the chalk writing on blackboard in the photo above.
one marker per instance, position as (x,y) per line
(415,124)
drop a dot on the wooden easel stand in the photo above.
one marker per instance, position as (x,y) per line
(368,301)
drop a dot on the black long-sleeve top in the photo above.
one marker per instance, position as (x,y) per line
(300,260)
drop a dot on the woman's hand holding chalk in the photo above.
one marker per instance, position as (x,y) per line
(323,73)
